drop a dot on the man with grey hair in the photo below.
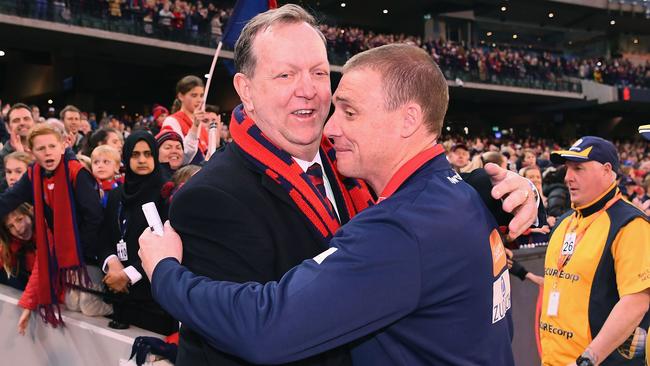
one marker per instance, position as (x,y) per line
(278,196)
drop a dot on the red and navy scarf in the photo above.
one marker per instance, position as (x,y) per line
(276,163)
(59,252)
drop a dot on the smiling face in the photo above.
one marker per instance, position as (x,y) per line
(48,151)
(171,152)
(141,161)
(20,122)
(19,225)
(288,95)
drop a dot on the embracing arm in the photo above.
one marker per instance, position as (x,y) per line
(341,295)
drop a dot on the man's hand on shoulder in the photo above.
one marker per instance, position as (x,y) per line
(154,248)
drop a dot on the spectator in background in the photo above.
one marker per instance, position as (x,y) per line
(105,163)
(36,114)
(71,118)
(529,159)
(225,134)
(170,152)
(19,123)
(17,247)
(188,119)
(537,234)
(16,165)
(71,221)
(105,136)
(160,113)
(123,223)
(165,16)
(92,119)
(458,157)
(179,178)
(556,193)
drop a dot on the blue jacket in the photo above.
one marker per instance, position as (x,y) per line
(409,281)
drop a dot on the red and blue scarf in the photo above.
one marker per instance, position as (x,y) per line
(276,163)
(58,251)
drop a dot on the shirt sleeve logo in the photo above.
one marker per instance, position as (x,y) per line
(498,253)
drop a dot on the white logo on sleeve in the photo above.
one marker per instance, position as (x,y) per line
(321,257)
(455,179)
(501,297)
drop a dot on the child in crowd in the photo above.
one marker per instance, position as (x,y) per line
(16,165)
(67,217)
(179,178)
(17,247)
(106,170)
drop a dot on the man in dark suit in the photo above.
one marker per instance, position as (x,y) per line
(272,198)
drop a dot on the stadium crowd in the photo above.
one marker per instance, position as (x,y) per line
(73,184)
(98,143)
(204,23)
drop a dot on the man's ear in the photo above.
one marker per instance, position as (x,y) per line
(412,119)
(242,83)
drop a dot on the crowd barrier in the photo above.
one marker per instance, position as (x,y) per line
(83,341)
(88,341)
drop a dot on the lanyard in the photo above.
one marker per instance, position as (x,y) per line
(121,222)
(563,260)
(406,170)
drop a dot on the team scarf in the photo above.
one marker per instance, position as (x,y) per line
(276,163)
(186,123)
(59,252)
(108,185)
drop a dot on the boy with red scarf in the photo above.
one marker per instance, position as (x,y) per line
(67,215)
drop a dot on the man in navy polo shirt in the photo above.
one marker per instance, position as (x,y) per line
(420,278)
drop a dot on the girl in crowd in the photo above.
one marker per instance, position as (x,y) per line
(181,176)
(123,223)
(170,152)
(188,119)
(16,165)
(17,248)
(105,165)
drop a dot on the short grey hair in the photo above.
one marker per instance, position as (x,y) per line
(287,14)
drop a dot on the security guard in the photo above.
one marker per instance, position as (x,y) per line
(597,268)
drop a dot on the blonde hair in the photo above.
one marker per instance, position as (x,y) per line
(183,174)
(20,156)
(106,150)
(42,130)
(85,161)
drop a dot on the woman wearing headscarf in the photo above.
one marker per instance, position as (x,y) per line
(123,223)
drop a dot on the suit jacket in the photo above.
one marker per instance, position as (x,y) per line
(239,225)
